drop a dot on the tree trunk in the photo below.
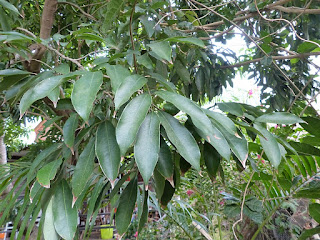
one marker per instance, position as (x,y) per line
(4,160)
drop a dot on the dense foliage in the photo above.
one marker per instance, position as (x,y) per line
(122,85)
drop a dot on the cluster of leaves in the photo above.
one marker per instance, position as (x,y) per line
(110,101)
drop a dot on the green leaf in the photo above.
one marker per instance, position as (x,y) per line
(279,118)
(84,93)
(306,234)
(13,72)
(9,6)
(83,169)
(148,24)
(303,148)
(182,139)
(314,211)
(41,90)
(69,129)
(145,61)
(168,193)
(117,74)
(160,79)
(270,146)
(130,121)
(182,71)
(113,9)
(212,160)
(126,206)
(49,232)
(145,210)
(311,192)
(65,217)
(189,40)
(107,150)
(162,49)
(147,146)
(130,85)
(222,120)
(312,126)
(233,108)
(165,162)
(159,183)
(54,96)
(48,172)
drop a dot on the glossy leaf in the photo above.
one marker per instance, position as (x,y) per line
(54,96)
(233,108)
(48,172)
(224,121)
(84,93)
(49,232)
(147,146)
(126,206)
(39,91)
(117,74)
(279,118)
(69,129)
(83,169)
(306,234)
(65,217)
(145,210)
(182,139)
(165,162)
(130,85)
(107,150)
(159,183)
(270,146)
(162,49)
(130,121)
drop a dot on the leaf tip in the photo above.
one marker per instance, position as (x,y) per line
(74,199)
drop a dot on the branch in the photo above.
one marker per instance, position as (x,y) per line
(47,19)
(296,10)
(301,56)
(80,9)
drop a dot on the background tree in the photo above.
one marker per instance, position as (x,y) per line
(109,77)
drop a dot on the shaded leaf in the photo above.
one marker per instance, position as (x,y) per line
(189,40)
(65,217)
(314,211)
(165,162)
(9,6)
(49,232)
(181,139)
(107,150)
(126,206)
(83,169)
(69,129)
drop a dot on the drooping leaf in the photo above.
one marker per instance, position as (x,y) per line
(83,169)
(224,121)
(162,49)
(165,162)
(314,211)
(279,118)
(211,159)
(270,146)
(233,108)
(126,206)
(54,96)
(49,232)
(181,139)
(65,217)
(130,85)
(9,6)
(117,74)
(168,85)
(69,129)
(147,146)
(168,193)
(130,121)
(113,9)
(107,150)
(84,93)
(39,91)
(305,149)
(48,172)
(182,72)
(145,210)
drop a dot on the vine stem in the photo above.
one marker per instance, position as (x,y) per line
(242,206)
